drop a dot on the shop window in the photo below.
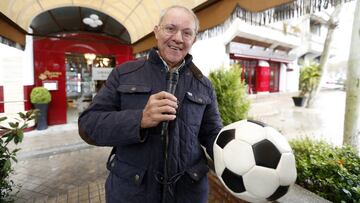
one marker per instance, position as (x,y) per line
(81,86)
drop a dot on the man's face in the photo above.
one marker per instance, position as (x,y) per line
(175,35)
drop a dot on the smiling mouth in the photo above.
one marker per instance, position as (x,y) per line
(175,48)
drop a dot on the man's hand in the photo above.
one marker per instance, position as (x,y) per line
(160,107)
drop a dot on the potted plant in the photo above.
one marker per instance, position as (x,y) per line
(40,97)
(308,80)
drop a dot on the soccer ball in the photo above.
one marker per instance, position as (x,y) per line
(254,161)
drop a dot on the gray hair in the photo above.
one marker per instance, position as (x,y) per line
(196,20)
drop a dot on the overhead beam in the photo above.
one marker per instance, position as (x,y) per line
(11,30)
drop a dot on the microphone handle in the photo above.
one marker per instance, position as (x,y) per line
(172,78)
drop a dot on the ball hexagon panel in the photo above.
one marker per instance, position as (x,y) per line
(261,182)
(238,156)
(250,132)
(287,169)
(278,139)
(225,137)
(233,181)
(266,154)
(218,160)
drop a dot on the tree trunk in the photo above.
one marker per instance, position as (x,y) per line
(351,122)
(332,25)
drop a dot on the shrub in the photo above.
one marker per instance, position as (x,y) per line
(231,94)
(309,79)
(40,95)
(331,172)
(13,132)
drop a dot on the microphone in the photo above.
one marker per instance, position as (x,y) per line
(172,78)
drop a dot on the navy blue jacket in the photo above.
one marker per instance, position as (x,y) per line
(114,117)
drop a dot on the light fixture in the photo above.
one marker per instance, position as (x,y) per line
(105,61)
(89,57)
(93,21)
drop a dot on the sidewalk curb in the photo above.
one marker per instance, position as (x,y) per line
(40,153)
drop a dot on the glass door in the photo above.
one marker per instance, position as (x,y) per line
(80,85)
(274,76)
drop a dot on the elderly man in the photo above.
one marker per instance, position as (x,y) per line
(129,113)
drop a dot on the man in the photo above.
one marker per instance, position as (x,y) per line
(129,110)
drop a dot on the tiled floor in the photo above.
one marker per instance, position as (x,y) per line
(65,175)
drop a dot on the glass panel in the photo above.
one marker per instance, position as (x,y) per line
(80,87)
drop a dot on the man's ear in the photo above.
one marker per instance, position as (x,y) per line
(156,31)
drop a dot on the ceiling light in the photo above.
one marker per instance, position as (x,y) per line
(93,21)
(90,57)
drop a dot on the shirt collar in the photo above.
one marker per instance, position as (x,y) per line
(177,68)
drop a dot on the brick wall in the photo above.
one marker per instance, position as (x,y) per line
(218,193)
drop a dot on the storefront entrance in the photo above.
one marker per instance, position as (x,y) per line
(250,76)
(76,67)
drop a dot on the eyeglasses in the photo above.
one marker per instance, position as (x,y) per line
(187,34)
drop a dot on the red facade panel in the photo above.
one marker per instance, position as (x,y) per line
(27,91)
(1,99)
(262,79)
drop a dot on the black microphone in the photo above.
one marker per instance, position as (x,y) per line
(172,78)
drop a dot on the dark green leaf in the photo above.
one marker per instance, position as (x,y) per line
(13,125)
(2,118)
(22,115)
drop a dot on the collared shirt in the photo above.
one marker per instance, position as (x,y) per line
(167,67)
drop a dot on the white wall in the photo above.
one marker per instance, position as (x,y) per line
(292,78)
(28,65)
(283,78)
(210,54)
(11,65)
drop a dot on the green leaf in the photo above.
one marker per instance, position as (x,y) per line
(2,118)
(22,115)
(14,159)
(13,125)
(7,165)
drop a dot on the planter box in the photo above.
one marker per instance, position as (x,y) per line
(296,194)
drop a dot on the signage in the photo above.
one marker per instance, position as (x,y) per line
(101,73)
(50,84)
(49,74)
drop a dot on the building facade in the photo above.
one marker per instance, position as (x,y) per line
(270,55)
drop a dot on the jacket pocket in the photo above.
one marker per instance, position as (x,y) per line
(193,108)
(198,171)
(126,181)
(133,96)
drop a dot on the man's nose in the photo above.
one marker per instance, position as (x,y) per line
(178,36)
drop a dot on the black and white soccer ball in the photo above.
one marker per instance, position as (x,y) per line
(254,161)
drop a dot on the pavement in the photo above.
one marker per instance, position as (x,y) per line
(55,165)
